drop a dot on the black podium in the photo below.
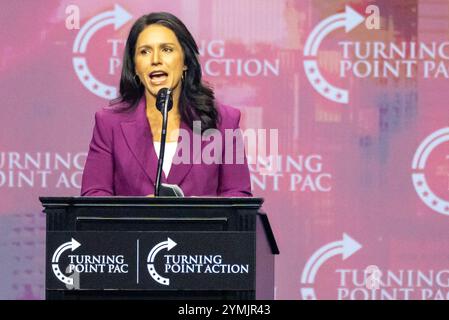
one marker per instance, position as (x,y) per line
(158,248)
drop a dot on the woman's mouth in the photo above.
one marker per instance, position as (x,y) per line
(158,77)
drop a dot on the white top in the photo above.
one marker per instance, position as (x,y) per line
(169,153)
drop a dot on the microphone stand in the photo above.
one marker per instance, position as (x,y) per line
(162,148)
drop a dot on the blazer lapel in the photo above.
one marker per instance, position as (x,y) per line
(139,138)
(178,171)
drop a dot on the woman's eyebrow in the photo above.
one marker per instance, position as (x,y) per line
(160,44)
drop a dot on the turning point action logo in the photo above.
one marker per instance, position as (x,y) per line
(169,244)
(117,17)
(348,20)
(180,264)
(420,160)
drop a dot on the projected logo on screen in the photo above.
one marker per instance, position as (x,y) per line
(431,171)
(117,17)
(345,247)
(348,20)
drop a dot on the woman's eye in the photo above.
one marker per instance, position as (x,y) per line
(145,51)
(167,49)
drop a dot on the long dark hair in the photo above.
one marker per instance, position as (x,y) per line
(197,101)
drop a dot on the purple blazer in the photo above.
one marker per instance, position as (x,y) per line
(122,160)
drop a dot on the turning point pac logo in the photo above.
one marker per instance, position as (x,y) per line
(117,17)
(428,182)
(348,20)
(72,246)
(345,247)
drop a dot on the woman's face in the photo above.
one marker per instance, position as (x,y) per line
(159,59)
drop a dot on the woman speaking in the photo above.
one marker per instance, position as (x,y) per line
(123,156)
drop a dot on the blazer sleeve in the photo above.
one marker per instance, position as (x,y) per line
(234,177)
(98,178)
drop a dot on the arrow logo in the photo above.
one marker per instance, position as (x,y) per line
(425,193)
(72,245)
(349,20)
(117,17)
(345,247)
(169,244)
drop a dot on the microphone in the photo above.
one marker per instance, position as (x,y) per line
(164,103)
(161,100)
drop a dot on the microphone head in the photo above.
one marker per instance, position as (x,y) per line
(162,96)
